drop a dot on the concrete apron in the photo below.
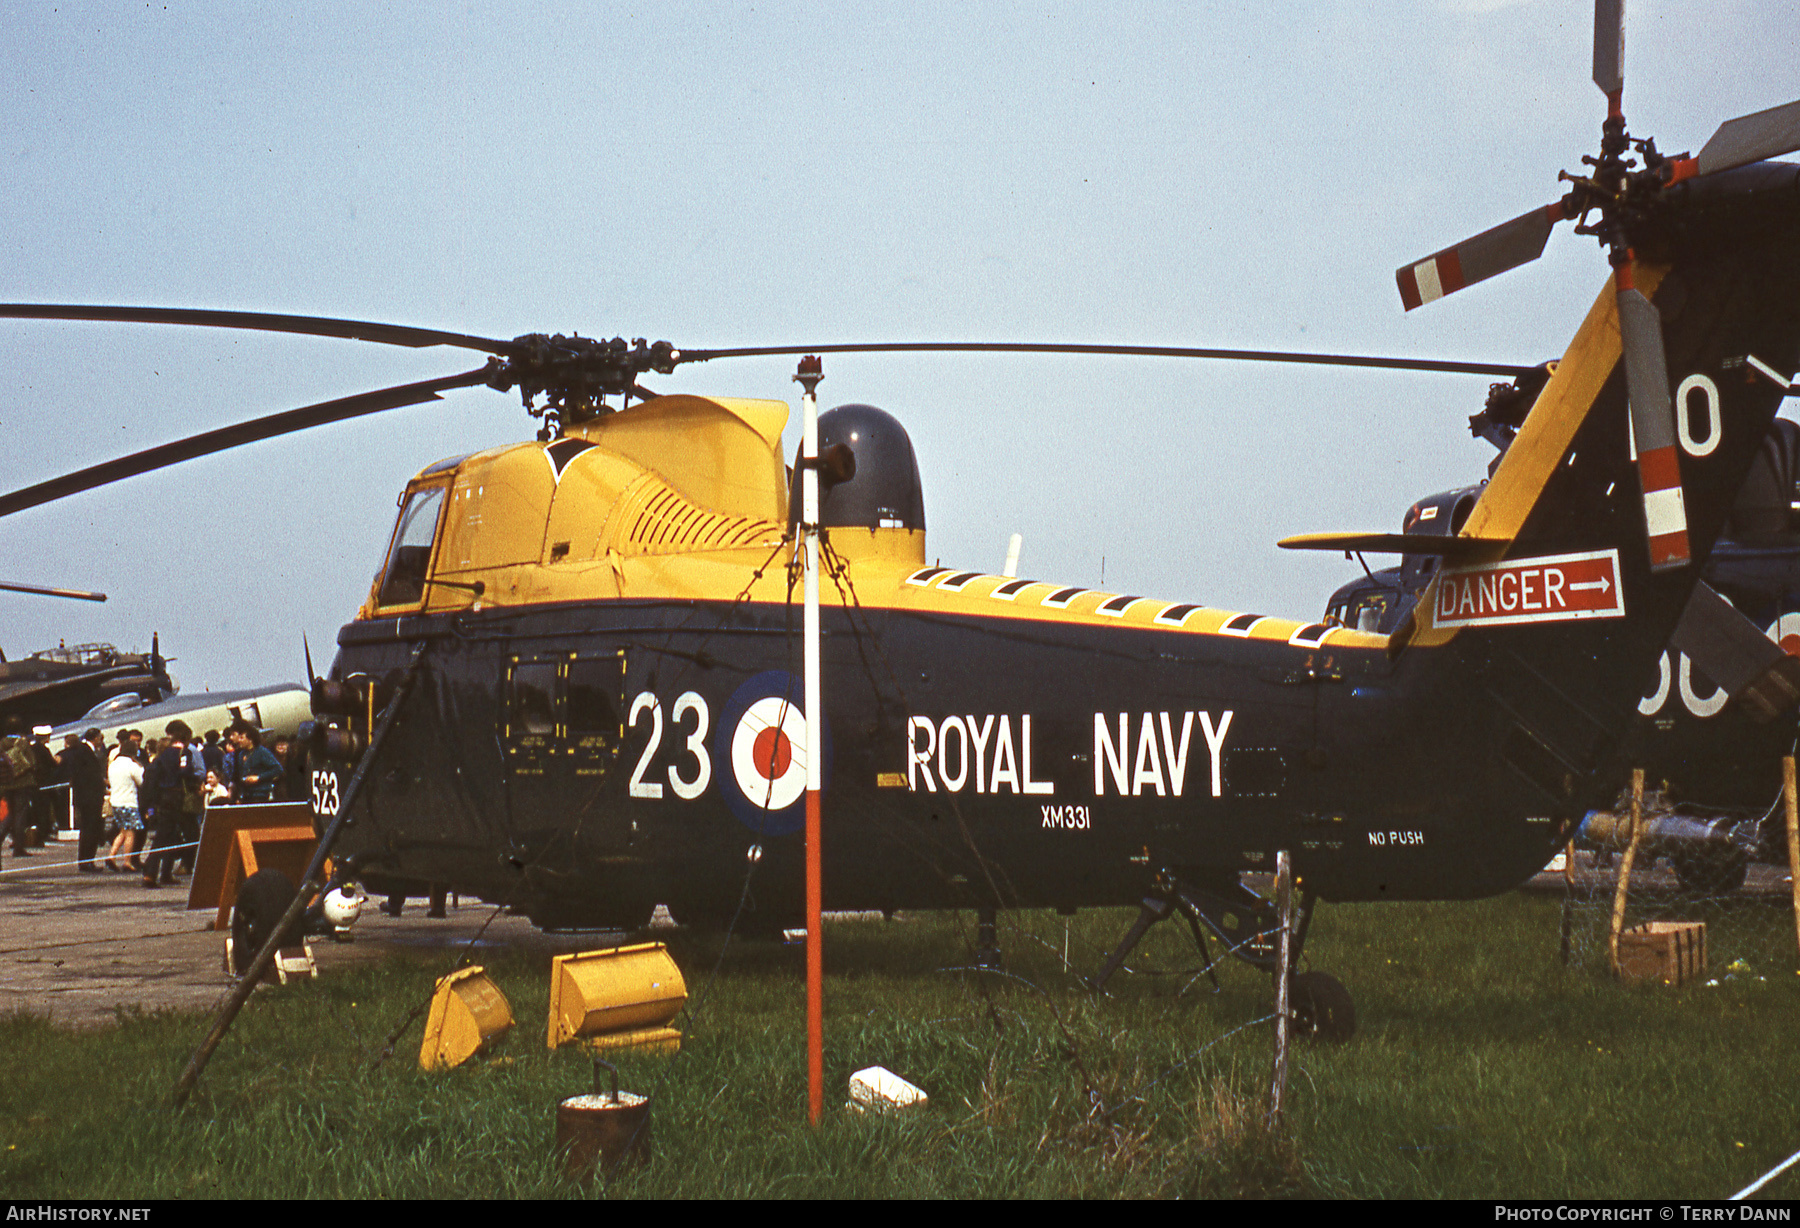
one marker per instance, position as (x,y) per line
(80,948)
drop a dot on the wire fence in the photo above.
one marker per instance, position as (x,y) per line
(1678,907)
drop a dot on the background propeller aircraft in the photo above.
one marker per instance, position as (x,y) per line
(56,685)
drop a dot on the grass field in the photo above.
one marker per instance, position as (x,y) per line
(1482,1068)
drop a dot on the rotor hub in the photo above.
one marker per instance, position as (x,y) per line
(573,375)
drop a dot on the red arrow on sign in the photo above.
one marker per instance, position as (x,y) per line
(1550,588)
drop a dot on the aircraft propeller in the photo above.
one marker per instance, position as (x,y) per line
(1623,196)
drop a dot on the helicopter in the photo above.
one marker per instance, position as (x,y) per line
(584,648)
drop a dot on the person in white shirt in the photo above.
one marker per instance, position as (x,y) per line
(124,777)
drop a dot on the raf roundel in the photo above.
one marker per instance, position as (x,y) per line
(768,753)
(763,736)
(1786,632)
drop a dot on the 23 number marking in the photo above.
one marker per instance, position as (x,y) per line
(694,784)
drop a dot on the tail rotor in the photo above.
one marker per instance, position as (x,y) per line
(1617,201)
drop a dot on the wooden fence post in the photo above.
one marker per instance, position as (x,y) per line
(1793,835)
(1637,825)
(1284,904)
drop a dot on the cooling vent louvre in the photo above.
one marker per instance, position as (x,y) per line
(664,522)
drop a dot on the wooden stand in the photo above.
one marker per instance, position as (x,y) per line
(237,841)
(1673,952)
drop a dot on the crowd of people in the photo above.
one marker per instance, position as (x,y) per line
(149,799)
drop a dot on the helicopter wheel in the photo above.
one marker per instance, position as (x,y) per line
(1321,1007)
(1712,872)
(261,902)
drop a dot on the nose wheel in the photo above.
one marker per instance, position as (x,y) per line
(261,902)
(1321,1007)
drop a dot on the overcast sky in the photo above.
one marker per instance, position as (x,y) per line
(726,174)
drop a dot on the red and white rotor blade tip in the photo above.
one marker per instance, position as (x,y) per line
(1653,430)
(1506,246)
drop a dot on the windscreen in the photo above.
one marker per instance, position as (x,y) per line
(403,580)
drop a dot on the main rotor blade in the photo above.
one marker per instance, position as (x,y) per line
(1609,48)
(1150,351)
(1653,428)
(1506,246)
(1751,138)
(208,442)
(312,326)
(400,334)
(77,593)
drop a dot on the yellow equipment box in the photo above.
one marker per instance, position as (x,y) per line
(468,1012)
(617,998)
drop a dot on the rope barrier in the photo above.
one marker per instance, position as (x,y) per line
(71,864)
(1765,1178)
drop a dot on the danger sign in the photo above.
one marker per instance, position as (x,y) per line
(1551,588)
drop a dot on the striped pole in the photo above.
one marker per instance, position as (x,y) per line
(810,373)
(1284,931)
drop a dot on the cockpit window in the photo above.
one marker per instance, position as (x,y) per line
(403,580)
(1371,608)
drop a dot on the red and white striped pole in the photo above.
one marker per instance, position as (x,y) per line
(810,373)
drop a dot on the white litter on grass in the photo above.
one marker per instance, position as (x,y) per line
(880,1089)
(794,938)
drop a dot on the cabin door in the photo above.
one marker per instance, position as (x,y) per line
(559,735)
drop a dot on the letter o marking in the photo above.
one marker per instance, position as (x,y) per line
(1652,703)
(1714,426)
(953,783)
(1699,707)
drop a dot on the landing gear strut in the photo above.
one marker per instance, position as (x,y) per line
(1246,923)
(987,939)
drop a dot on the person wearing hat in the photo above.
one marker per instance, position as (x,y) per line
(49,772)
